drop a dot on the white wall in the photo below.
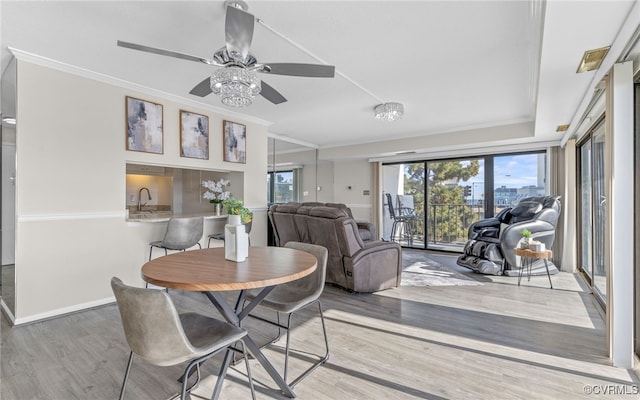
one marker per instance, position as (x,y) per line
(473,139)
(325,183)
(72,236)
(350,180)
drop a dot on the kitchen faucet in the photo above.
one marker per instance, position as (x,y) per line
(140,198)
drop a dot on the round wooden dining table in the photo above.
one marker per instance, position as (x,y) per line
(208,271)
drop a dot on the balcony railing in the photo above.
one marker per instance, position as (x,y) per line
(448,225)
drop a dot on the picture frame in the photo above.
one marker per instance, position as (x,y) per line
(234,142)
(144,126)
(194,135)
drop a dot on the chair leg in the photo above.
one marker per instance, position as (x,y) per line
(287,348)
(315,365)
(126,376)
(393,231)
(185,392)
(322,358)
(246,361)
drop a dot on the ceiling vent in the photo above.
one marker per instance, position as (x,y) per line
(592,59)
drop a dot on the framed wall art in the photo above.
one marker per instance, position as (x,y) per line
(235,145)
(194,135)
(144,126)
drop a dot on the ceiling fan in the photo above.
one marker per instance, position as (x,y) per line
(237,82)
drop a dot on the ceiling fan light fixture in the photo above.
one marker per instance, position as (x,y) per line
(235,85)
(389,112)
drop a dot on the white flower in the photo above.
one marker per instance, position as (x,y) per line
(216,192)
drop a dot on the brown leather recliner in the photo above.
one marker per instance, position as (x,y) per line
(353,264)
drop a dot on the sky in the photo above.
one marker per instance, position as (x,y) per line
(512,171)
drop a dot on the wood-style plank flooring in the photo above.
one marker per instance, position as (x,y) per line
(491,341)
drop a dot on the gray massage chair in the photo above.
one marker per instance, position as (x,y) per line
(491,244)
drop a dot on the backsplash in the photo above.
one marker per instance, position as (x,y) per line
(160,189)
(175,189)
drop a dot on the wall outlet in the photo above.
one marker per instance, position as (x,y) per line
(366,193)
(132,198)
(305,193)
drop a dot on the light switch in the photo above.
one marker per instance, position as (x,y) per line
(305,193)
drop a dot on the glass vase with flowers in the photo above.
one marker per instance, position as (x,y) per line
(216,193)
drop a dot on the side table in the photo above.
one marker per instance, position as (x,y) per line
(527,257)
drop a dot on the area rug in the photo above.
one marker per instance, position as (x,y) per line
(420,270)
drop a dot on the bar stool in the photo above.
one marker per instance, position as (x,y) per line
(181,234)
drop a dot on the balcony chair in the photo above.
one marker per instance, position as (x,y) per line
(160,336)
(181,234)
(291,297)
(492,241)
(404,222)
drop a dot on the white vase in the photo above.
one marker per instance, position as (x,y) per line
(234,220)
(218,207)
(236,240)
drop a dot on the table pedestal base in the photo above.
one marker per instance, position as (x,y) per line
(235,316)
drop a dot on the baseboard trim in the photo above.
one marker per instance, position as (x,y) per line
(62,311)
(7,312)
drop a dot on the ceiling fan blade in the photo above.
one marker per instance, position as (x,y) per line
(238,32)
(164,52)
(203,88)
(271,94)
(293,69)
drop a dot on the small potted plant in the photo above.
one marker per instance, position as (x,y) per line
(526,236)
(236,207)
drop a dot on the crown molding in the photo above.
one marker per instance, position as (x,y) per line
(96,76)
(292,140)
(466,151)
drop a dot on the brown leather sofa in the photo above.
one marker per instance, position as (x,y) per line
(366,229)
(353,263)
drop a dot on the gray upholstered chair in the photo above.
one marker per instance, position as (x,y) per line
(160,336)
(292,296)
(181,234)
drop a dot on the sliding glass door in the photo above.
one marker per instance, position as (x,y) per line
(586,205)
(455,199)
(592,207)
(434,202)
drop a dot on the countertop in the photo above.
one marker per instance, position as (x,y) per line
(164,216)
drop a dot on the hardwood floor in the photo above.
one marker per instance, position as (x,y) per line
(491,341)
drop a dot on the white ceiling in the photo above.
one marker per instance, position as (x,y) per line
(455,65)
